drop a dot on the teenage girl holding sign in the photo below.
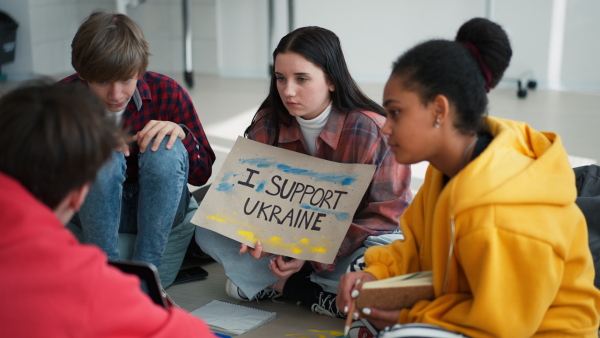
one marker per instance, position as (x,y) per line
(315,107)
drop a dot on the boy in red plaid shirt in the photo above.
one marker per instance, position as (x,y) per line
(143,189)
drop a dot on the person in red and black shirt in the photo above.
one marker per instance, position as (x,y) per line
(143,189)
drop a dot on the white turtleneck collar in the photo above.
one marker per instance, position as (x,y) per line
(312,128)
(118,115)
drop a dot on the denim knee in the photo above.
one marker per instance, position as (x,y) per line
(113,171)
(164,162)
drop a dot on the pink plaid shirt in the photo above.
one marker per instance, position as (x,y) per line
(354,137)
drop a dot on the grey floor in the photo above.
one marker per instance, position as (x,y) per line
(291,320)
(226,106)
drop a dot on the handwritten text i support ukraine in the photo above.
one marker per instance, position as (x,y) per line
(305,195)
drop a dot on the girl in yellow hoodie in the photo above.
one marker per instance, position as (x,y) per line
(495,220)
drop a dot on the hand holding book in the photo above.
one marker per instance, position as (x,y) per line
(396,292)
(348,283)
(380,301)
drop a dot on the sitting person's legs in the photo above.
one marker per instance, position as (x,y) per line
(100,215)
(250,275)
(318,290)
(148,208)
(163,195)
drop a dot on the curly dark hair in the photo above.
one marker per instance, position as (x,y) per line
(453,69)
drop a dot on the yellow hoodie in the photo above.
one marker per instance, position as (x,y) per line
(507,244)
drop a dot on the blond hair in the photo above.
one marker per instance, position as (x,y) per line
(109,47)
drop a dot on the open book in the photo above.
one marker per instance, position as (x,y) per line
(396,292)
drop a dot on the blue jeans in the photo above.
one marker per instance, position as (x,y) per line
(149,207)
(253,275)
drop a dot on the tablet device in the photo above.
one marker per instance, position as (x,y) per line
(190,274)
(149,281)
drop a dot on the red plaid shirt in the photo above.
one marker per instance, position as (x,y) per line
(355,137)
(158,97)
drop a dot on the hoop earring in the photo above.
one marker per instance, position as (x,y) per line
(437,123)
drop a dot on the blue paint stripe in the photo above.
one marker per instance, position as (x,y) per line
(341,216)
(261,186)
(336,178)
(226,187)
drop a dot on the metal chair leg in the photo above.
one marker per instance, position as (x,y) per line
(188,73)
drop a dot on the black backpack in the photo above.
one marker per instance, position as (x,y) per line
(588,200)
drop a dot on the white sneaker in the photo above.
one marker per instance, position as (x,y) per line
(362,329)
(234,292)
(415,330)
(326,306)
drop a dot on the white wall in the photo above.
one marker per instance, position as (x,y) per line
(528,29)
(50,39)
(230,37)
(374,33)
(19,11)
(581,45)
(43,46)
(161,21)
(242,38)
(46,29)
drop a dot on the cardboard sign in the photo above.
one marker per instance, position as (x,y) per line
(296,205)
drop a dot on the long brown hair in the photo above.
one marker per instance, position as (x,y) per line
(321,47)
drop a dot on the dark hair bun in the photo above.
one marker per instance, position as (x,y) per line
(492,43)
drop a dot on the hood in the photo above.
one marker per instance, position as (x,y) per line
(519,166)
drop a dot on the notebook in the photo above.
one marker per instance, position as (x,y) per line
(229,318)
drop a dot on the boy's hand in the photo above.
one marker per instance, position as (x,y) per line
(123,148)
(157,130)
